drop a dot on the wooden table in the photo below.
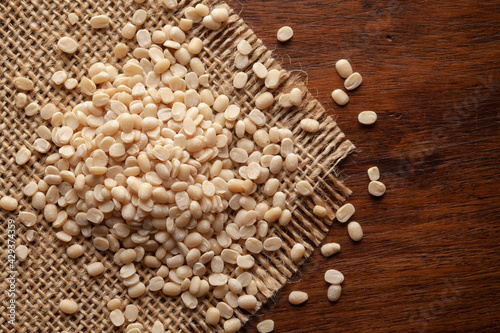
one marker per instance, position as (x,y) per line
(430,259)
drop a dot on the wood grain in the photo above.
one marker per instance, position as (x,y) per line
(430,258)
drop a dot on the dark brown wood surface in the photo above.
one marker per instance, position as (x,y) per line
(430,259)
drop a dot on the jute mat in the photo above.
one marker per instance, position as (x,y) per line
(29,31)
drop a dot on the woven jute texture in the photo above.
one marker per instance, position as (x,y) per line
(29,30)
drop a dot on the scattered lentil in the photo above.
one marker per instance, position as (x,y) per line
(373,173)
(72,18)
(284,34)
(330,249)
(8,203)
(333,276)
(67,45)
(114,304)
(131,313)
(353,81)
(334,292)
(297,297)
(355,231)
(21,100)
(340,97)
(95,269)
(309,125)
(21,252)
(367,117)
(23,83)
(344,68)
(297,252)
(23,156)
(117,318)
(345,212)
(319,211)
(68,306)
(376,188)
(260,70)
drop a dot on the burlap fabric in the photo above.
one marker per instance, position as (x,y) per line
(29,32)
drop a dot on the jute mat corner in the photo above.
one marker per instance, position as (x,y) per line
(29,31)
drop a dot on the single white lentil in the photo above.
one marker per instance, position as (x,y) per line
(21,100)
(220,14)
(284,101)
(232,325)
(117,318)
(296,96)
(272,79)
(247,302)
(284,34)
(304,188)
(131,313)
(333,276)
(264,100)
(23,156)
(355,231)
(265,326)
(209,22)
(340,97)
(8,203)
(68,306)
(128,31)
(272,244)
(21,252)
(376,188)
(114,304)
(334,292)
(225,310)
(240,80)
(185,24)
(330,249)
(291,162)
(157,327)
(95,269)
(23,83)
(71,83)
(75,251)
(297,297)
(30,189)
(345,212)
(243,261)
(344,68)
(27,218)
(373,173)
(309,125)
(240,60)
(353,81)
(67,45)
(136,290)
(139,17)
(32,109)
(72,18)
(30,235)
(202,10)
(367,117)
(212,316)
(99,22)
(170,4)
(244,47)
(319,211)
(297,252)
(260,70)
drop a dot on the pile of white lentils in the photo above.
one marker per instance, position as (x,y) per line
(151,166)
